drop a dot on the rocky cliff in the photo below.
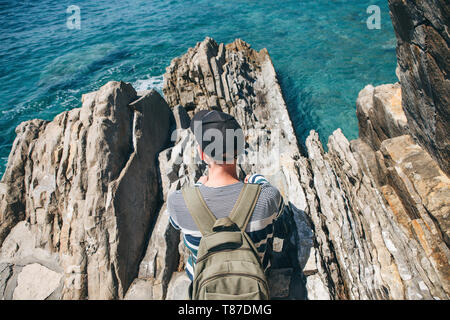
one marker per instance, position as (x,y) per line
(79,195)
(82,201)
(424,62)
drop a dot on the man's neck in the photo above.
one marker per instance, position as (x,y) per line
(221,175)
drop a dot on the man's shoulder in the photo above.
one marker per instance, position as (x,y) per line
(268,203)
(269,191)
(175,198)
(269,195)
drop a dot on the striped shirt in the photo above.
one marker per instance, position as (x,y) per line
(220,200)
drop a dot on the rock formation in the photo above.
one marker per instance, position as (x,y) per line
(82,201)
(79,195)
(378,205)
(424,62)
(372,244)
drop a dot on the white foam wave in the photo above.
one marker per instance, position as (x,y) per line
(150,83)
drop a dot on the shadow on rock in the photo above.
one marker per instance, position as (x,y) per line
(293,240)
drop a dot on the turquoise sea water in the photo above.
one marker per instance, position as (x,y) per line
(323,52)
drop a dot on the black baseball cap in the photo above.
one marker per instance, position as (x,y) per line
(219,134)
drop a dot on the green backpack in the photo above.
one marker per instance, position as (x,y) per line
(228,266)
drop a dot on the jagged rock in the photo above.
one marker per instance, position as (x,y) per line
(414,174)
(12,199)
(86,186)
(178,166)
(380,114)
(367,251)
(424,192)
(423,55)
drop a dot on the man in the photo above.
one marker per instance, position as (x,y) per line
(221,188)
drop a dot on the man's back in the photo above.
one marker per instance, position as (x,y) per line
(220,200)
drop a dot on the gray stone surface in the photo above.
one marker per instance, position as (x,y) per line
(36,282)
(380,114)
(161,258)
(140,289)
(316,289)
(424,64)
(178,286)
(371,246)
(85,186)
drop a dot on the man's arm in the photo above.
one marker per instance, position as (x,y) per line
(260,179)
(283,222)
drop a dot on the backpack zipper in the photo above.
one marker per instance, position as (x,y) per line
(213,277)
(226,250)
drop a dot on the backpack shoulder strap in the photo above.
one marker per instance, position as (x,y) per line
(245,204)
(203,217)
